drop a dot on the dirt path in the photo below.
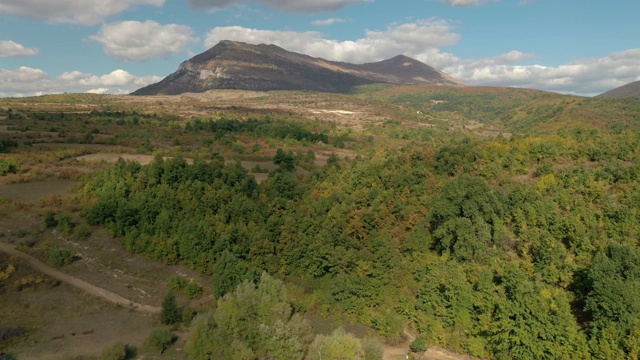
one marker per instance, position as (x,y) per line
(81,284)
(433,353)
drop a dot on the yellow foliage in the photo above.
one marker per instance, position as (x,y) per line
(4,275)
(546,182)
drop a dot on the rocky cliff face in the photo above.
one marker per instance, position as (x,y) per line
(236,65)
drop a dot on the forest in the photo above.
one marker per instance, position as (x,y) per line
(499,223)
(525,247)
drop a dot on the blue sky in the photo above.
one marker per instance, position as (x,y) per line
(116,46)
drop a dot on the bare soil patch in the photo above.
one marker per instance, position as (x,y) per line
(80,284)
(61,321)
(113,157)
(75,145)
(33,192)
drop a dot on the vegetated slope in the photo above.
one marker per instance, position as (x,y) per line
(625,91)
(236,65)
(497,248)
(516,110)
(502,248)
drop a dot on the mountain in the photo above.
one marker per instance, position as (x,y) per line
(237,65)
(624,91)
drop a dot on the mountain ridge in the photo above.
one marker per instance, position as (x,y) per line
(241,66)
(630,90)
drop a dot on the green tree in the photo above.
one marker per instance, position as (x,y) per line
(372,349)
(613,300)
(160,339)
(466,218)
(419,344)
(286,160)
(340,345)
(254,321)
(170,314)
(115,351)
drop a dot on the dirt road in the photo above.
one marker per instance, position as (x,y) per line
(81,284)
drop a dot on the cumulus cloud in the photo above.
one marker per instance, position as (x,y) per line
(135,40)
(27,81)
(9,48)
(585,77)
(424,39)
(86,12)
(286,5)
(329,21)
(415,38)
(458,3)
(98,91)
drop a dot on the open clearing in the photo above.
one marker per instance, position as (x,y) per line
(80,284)
(61,321)
(32,192)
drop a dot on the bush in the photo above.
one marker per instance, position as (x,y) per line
(419,344)
(190,289)
(188,314)
(372,349)
(50,220)
(8,166)
(82,232)
(60,257)
(115,351)
(170,314)
(65,224)
(160,339)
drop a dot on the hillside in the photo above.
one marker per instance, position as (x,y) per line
(495,222)
(624,91)
(236,65)
(517,111)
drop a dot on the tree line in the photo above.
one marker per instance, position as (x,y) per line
(507,248)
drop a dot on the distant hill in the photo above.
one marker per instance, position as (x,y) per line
(517,111)
(624,91)
(241,66)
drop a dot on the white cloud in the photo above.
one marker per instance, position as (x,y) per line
(329,21)
(423,40)
(9,48)
(422,37)
(87,12)
(98,91)
(135,40)
(586,76)
(27,81)
(458,3)
(286,5)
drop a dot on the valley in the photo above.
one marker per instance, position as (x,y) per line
(481,220)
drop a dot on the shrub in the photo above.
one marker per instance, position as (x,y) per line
(8,166)
(372,349)
(160,339)
(5,274)
(50,220)
(170,313)
(65,224)
(82,232)
(419,344)
(60,257)
(115,351)
(191,289)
